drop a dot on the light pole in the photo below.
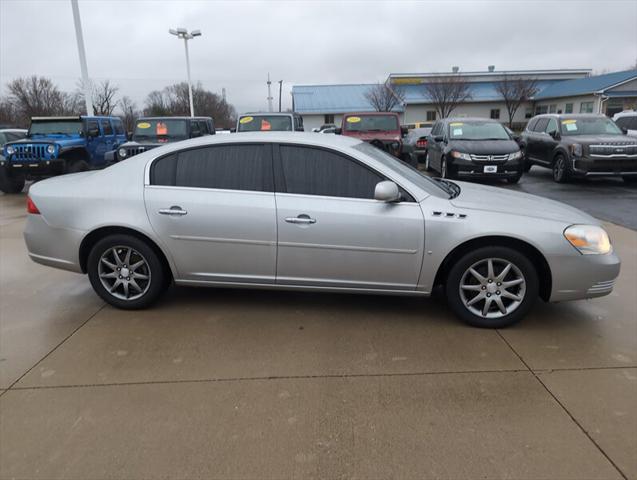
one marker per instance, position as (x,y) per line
(86,84)
(183,33)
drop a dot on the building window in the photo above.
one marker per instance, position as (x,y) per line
(329,118)
(495,113)
(586,107)
(528,112)
(431,115)
(540,109)
(568,108)
(553,108)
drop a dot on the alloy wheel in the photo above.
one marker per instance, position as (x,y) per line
(124,273)
(492,288)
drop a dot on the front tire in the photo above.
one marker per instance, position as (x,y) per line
(76,166)
(444,169)
(561,172)
(427,165)
(514,180)
(11,183)
(492,287)
(126,272)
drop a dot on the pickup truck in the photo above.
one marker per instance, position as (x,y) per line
(59,145)
(381,129)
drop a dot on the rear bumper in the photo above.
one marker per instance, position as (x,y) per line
(52,246)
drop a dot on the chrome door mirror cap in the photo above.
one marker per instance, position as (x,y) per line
(387,191)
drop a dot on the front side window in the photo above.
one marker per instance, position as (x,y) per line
(473,130)
(160,130)
(314,171)
(228,167)
(551,126)
(586,107)
(589,126)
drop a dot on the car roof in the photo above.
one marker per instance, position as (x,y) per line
(271,114)
(71,118)
(370,113)
(173,117)
(470,119)
(571,115)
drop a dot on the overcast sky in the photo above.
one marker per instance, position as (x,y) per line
(307,42)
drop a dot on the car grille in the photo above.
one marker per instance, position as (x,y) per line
(490,158)
(30,152)
(613,148)
(132,151)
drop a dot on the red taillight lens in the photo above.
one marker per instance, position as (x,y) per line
(31,208)
(422,143)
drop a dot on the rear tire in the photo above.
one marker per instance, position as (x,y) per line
(515,290)
(11,183)
(126,272)
(561,172)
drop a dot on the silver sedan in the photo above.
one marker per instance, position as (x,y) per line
(316,213)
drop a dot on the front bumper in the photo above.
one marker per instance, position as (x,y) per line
(583,276)
(472,169)
(34,168)
(604,166)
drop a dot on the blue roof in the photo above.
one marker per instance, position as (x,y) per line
(332,98)
(480,91)
(583,86)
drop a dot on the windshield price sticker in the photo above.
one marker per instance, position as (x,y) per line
(353,119)
(457,132)
(143,125)
(571,127)
(246,119)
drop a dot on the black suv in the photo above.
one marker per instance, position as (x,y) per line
(473,148)
(583,145)
(151,132)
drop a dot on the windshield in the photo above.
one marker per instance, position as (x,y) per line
(60,127)
(403,169)
(160,130)
(477,131)
(590,126)
(265,123)
(371,123)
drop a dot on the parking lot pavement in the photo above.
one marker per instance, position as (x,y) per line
(257,384)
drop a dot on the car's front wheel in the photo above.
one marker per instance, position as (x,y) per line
(492,287)
(561,172)
(126,272)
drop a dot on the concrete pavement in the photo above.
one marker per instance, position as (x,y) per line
(256,384)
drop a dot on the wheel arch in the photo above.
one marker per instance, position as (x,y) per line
(75,153)
(96,235)
(559,151)
(537,258)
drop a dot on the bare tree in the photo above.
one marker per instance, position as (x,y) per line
(129,113)
(33,96)
(515,91)
(104,100)
(446,93)
(8,114)
(383,98)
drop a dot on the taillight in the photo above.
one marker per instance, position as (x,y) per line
(422,143)
(31,208)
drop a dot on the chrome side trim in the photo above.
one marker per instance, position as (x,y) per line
(222,240)
(348,248)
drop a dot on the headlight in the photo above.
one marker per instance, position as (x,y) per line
(515,156)
(463,156)
(10,150)
(50,149)
(576,149)
(588,239)
(121,152)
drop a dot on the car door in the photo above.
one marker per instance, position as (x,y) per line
(547,142)
(107,139)
(213,209)
(332,233)
(534,140)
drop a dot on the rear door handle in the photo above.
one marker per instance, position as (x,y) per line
(301,219)
(174,210)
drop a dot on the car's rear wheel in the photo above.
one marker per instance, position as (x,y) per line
(126,272)
(11,183)
(561,172)
(492,287)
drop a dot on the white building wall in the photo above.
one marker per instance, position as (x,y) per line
(418,112)
(560,103)
(311,121)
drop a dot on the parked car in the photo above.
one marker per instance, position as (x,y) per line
(270,122)
(11,135)
(325,126)
(473,148)
(152,132)
(381,129)
(585,145)
(328,130)
(58,145)
(627,121)
(415,145)
(318,213)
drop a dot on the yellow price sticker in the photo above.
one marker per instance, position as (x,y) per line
(353,119)
(456,124)
(246,119)
(567,122)
(143,125)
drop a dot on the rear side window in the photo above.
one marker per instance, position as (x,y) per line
(119,126)
(630,123)
(228,167)
(106,127)
(313,171)
(541,124)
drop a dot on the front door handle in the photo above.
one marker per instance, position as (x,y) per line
(174,210)
(302,219)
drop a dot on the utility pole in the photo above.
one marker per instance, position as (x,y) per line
(269,94)
(183,33)
(223,94)
(88,97)
(280,89)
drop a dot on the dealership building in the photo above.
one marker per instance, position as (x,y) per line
(565,91)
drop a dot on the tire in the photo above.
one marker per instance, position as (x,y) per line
(11,183)
(561,172)
(444,169)
(76,166)
(427,165)
(525,292)
(516,179)
(110,254)
(525,161)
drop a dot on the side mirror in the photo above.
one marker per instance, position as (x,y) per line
(338,131)
(438,138)
(386,191)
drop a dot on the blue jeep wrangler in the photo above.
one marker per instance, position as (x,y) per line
(58,145)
